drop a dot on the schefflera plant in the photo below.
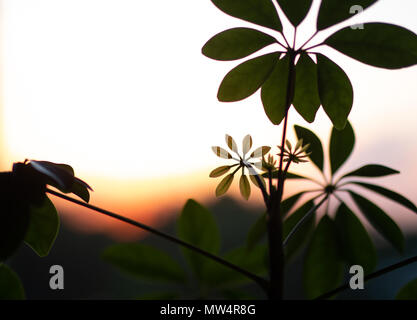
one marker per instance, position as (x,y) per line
(288,76)
(28,215)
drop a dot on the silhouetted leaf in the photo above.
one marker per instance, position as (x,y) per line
(389,194)
(10,286)
(224,185)
(196,225)
(60,175)
(43,228)
(341,146)
(316,148)
(377,44)
(236,43)
(335,90)
(289,203)
(335,11)
(274,91)
(408,292)
(144,261)
(357,246)
(244,187)
(80,190)
(253,261)
(261,12)
(306,95)
(245,79)
(323,265)
(380,221)
(295,10)
(256,232)
(300,237)
(371,170)
(14,216)
(289,175)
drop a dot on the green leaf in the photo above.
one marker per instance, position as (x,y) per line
(380,221)
(144,261)
(408,292)
(389,194)
(43,228)
(244,80)
(236,43)
(300,237)
(14,217)
(377,44)
(341,146)
(289,203)
(224,185)
(79,189)
(306,95)
(256,232)
(371,171)
(335,90)
(334,11)
(196,225)
(317,155)
(218,172)
(323,266)
(10,286)
(253,261)
(295,10)
(274,91)
(357,246)
(261,12)
(244,187)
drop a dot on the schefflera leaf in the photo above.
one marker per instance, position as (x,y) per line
(196,225)
(357,246)
(295,10)
(145,262)
(245,79)
(316,148)
(341,146)
(260,12)
(306,94)
(236,43)
(274,91)
(11,287)
(323,264)
(377,44)
(335,91)
(43,228)
(334,11)
(380,221)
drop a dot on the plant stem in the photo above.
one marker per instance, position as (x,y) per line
(370,276)
(276,250)
(263,283)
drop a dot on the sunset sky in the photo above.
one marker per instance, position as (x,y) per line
(119,89)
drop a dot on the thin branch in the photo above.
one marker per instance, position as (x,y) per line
(263,283)
(370,276)
(303,219)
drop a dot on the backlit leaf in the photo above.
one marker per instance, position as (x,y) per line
(219,171)
(236,43)
(244,187)
(245,79)
(335,91)
(341,146)
(224,185)
(295,10)
(10,286)
(408,292)
(316,148)
(371,171)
